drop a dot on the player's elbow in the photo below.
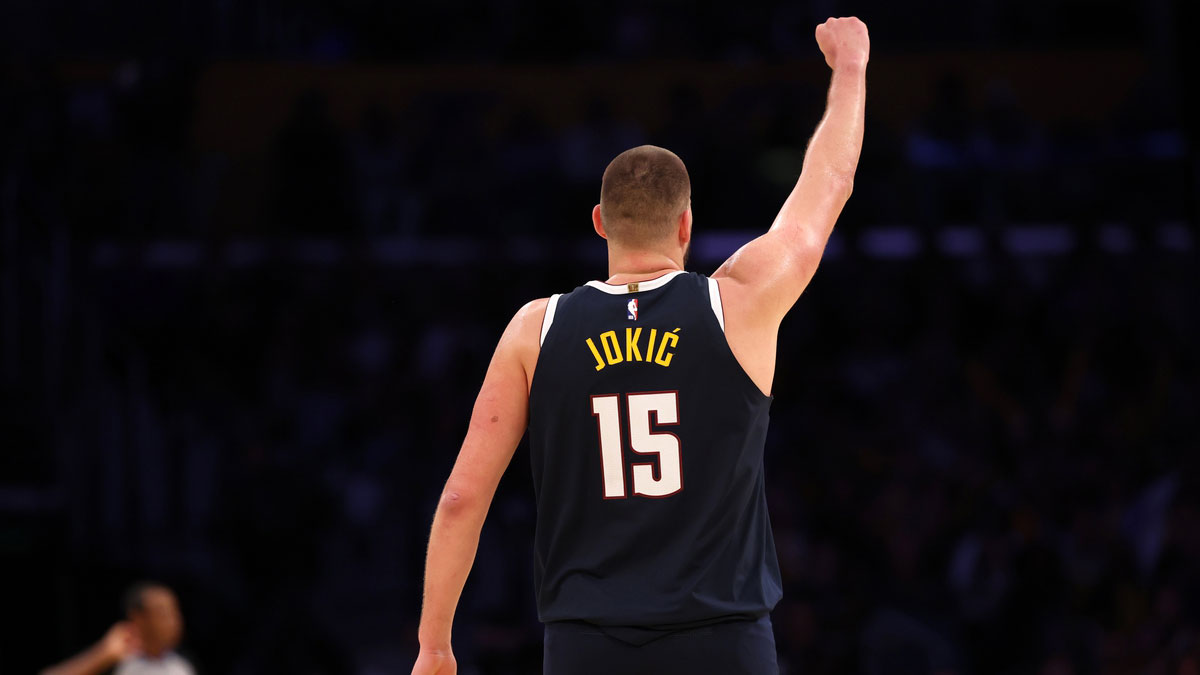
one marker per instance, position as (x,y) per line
(841,184)
(458,500)
(807,244)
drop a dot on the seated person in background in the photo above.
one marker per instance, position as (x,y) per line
(141,645)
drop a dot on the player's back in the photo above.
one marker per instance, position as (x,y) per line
(646,439)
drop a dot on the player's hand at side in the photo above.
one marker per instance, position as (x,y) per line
(435,662)
(844,42)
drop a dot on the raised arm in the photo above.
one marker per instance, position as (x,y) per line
(497,424)
(768,274)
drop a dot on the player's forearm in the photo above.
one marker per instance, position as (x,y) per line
(827,178)
(836,144)
(453,542)
(95,659)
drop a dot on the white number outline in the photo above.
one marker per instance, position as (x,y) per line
(612,455)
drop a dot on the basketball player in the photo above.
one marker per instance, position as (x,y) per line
(646,397)
(143,644)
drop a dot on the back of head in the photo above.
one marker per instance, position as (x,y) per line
(644,192)
(133,600)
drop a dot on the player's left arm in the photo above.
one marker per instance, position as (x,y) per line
(497,424)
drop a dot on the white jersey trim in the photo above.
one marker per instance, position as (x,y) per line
(714,297)
(548,319)
(623,289)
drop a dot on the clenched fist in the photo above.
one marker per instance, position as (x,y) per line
(844,42)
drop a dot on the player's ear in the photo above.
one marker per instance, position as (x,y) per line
(598,223)
(685,226)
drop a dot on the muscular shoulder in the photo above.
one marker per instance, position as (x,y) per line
(526,324)
(532,312)
(522,339)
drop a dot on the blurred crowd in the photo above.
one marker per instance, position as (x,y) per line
(981,463)
(115,159)
(543,30)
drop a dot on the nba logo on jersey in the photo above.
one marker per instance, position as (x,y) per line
(633,310)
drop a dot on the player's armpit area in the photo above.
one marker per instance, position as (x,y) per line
(769,273)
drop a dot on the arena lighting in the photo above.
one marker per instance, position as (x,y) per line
(245,253)
(448,252)
(393,251)
(890,243)
(1175,236)
(884,242)
(1039,240)
(835,248)
(963,241)
(1116,238)
(174,253)
(716,246)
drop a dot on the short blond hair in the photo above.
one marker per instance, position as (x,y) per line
(643,193)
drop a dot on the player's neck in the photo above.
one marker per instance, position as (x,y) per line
(627,266)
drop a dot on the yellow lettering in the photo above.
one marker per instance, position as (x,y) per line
(662,347)
(613,354)
(596,353)
(632,352)
(610,338)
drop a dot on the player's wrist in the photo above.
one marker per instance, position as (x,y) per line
(851,65)
(437,642)
(442,650)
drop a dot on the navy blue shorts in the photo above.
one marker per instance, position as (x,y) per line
(732,648)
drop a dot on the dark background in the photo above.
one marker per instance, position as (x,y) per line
(255,256)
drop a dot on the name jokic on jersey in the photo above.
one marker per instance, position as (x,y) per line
(633,351)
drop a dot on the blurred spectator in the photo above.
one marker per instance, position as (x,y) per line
(142,645)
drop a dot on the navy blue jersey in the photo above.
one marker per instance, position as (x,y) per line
(646,439)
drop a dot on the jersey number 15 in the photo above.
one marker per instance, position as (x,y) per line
(664,407)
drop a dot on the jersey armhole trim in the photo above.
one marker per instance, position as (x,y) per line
(548,319)
(714,298)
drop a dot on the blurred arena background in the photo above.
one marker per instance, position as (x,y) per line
(256,255)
